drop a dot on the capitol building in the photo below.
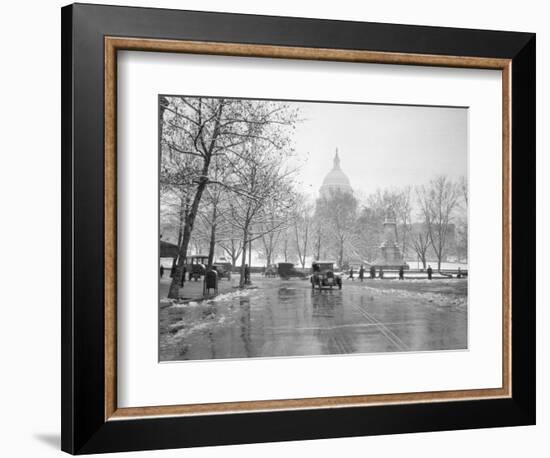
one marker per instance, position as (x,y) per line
(336,180)
(389,253)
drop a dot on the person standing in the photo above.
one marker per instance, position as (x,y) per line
(246,274)
(161,271)
(173,269)
(361,272)
(372,272)
(351,273)
(183,274)
(430,271)
(401,273)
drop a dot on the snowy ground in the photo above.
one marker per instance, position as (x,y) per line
(287,318)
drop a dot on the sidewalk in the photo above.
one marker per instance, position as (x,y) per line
(192,290)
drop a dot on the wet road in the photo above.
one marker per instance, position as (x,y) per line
(287,318)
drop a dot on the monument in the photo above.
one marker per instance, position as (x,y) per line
(390,256)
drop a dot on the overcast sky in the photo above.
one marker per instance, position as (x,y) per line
(381,145)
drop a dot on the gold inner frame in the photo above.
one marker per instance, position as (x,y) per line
(114,44)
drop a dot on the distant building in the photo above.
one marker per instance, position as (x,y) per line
(335,185)
(336,180)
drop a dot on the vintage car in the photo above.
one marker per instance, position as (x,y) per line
(271,271)
(223,269)
(196,266)
(287,270)
(323,275)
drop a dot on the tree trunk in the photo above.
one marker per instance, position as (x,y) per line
(211,246)
(163,102)
(181,218)
(297,242)
(440,253)
(243,258)
(318,245)
(173,293)
(301,253)
(306,239)
(341,254)
(232,252)
(212,238)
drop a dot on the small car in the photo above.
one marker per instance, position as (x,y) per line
(196,266)
(287,270)
(223,269)
(271,271)
(323,275)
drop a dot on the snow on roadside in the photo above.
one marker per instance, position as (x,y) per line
(224,297)
(436,298)
(181,329)
(230,296)
(186,304)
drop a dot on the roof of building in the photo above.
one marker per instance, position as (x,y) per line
(168,250)
(336,178)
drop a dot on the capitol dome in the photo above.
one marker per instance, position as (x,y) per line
(336,179)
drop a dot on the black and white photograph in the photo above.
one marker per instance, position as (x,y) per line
(309,228)
(275,229)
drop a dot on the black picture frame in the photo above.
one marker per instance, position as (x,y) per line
(84,428)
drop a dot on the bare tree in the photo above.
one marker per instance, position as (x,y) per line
(203,130)
(462,221)
(233,247)
(368,234)
(303,221)
(270,243)
(463,186)
(287,248)
(339,211)
(216,204)
(403,209)
(262,181)
(172,216)
(277,217)
(317,238)
(437,201)
(421,242)
(319,232)
(176,181)
(271,230)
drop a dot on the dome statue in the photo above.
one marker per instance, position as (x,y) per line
(336,179)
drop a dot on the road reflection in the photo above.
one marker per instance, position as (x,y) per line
(288,318)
